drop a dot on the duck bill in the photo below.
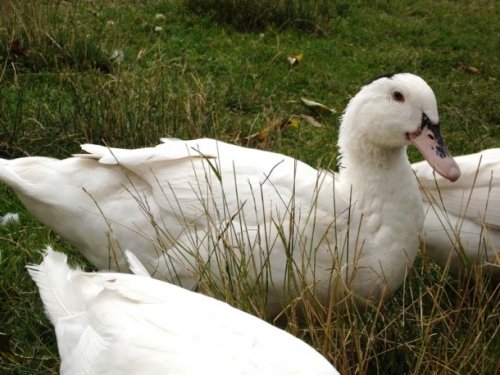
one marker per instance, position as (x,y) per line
(429,142)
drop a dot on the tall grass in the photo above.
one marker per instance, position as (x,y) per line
(40,37)
(311,16)
(60,86)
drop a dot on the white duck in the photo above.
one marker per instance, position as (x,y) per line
(116,323)
(462,220)
(244,214)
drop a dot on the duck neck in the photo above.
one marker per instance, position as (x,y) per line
(370,169)
(366,155)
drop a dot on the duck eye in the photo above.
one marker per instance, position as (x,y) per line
(397,96)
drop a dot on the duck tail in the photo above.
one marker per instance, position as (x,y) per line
(60,294)
(135,264)
(9,177)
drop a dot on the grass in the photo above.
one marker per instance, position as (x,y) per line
(185,75)
(311,16)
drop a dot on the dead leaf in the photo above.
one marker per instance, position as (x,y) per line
(468,68)
(473,69)
(317,106)
(294,60)
(311,120)
(280,124)
(292,121)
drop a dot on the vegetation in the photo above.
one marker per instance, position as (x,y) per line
(126,73)
(246,15)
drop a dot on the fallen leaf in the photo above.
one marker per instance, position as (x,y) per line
(317,106)
(468,68)
(142,52)
(473,69)
(262,135)
(294,122)
(311,120)
(295,59)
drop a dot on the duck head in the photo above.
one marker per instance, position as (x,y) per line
(394,111)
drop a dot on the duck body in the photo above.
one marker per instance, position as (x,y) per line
(462,220)
(203,203)
(116,323)
(82,201)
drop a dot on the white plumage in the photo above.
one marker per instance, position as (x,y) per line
(115,323)
(190,206)
(462,221)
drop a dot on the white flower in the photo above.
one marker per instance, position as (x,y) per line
(117,56)
(158,29)
(159,16)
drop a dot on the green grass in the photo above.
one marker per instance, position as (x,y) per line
(312,16)
(60,86)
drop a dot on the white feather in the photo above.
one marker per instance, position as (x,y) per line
(9,217)
(117,323)
(61,299)
(135,265)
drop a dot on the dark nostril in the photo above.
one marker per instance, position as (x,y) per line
(431,137)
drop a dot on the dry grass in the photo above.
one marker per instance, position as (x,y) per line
(60,86)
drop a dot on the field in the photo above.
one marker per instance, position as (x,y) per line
(125,73)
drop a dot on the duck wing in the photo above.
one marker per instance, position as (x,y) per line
(193,178)
(475,196)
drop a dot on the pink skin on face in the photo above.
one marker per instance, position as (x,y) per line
(429,142)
